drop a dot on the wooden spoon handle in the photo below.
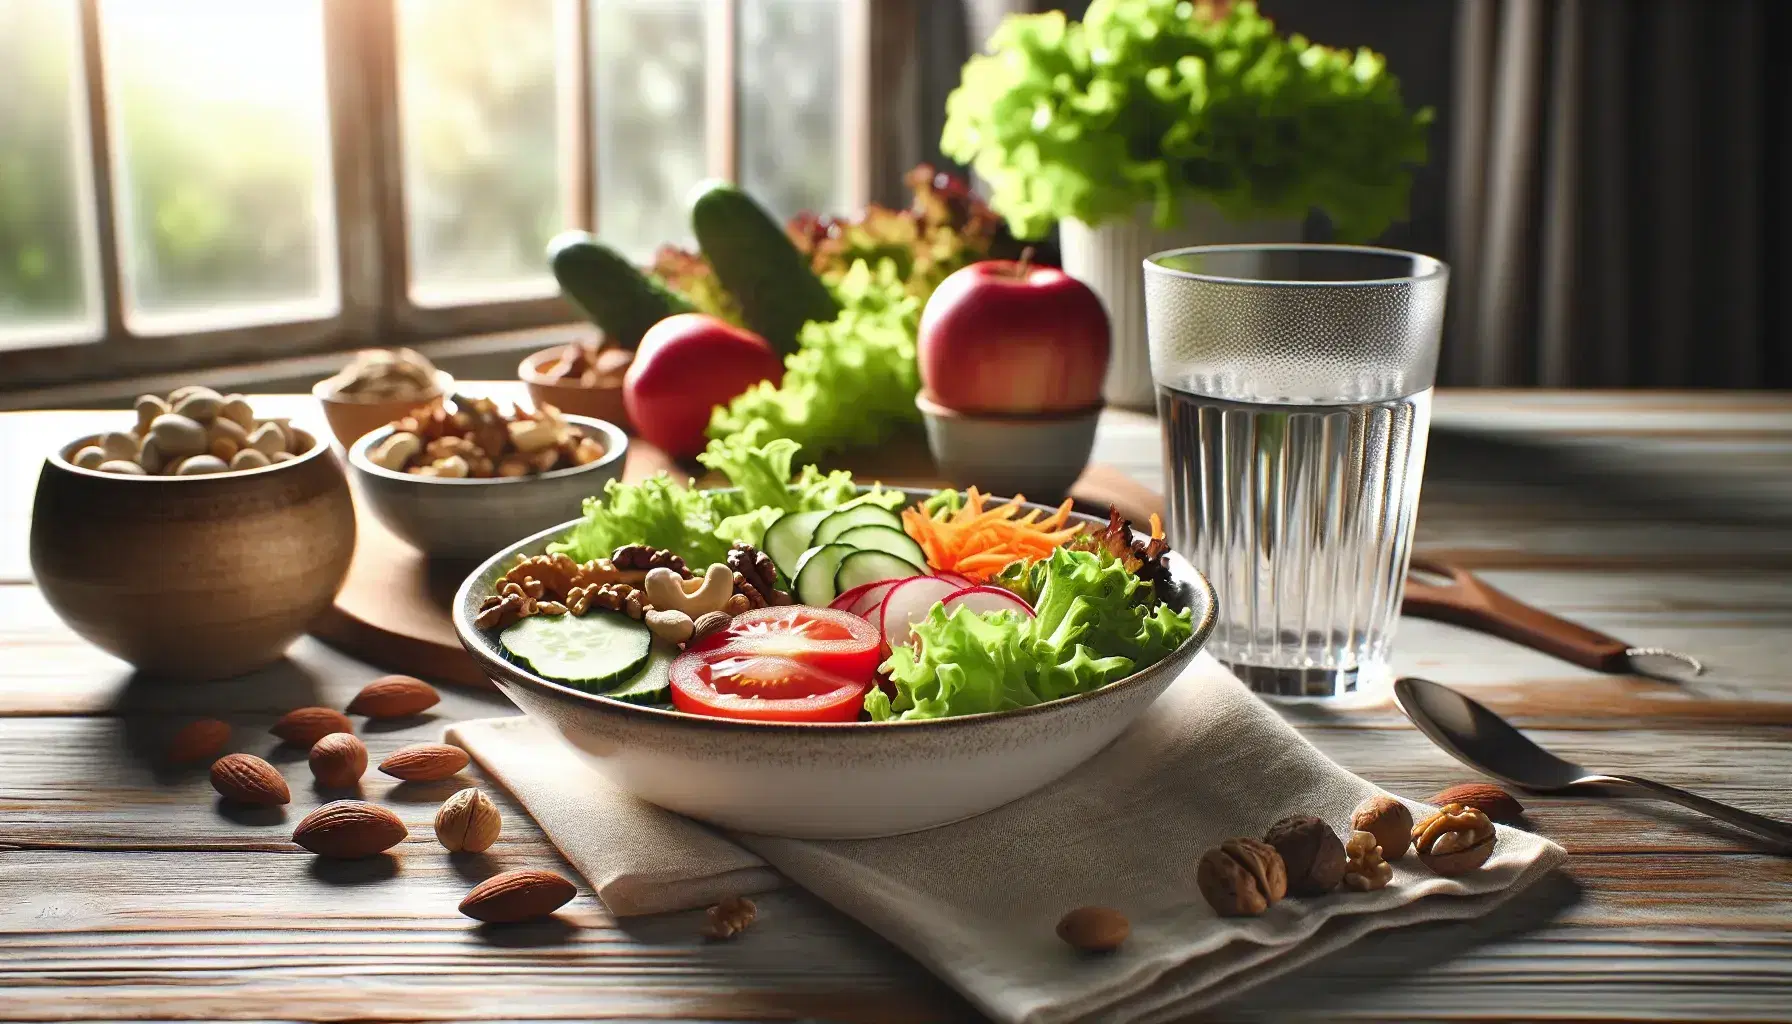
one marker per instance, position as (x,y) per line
(1473,604)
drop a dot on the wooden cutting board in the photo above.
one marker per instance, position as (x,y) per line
(393,610)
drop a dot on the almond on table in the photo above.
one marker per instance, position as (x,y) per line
(394,697)
(424,762)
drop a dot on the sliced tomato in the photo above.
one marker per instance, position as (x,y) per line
(763,687)
(831,640)
(780,664)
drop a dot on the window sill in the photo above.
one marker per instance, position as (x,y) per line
(478,357)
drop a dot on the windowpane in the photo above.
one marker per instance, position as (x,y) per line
(220,130)
(648,95)
(482,171)
(46,276)
(789,59)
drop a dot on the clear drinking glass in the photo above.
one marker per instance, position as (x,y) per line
(1294,389)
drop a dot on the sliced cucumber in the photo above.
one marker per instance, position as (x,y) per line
(788,537)
(652,683)
(863,567)
(843,519)
(815,574)
(592,652)
(890,541)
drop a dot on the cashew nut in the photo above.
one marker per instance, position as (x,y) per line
(395,451)
(671,626)
(666,590)
(531,436)
(453,467)
(267,438)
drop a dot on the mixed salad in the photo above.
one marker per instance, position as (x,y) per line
(808,597)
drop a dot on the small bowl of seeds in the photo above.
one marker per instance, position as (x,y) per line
(466,479)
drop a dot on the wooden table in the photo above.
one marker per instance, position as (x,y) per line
(126,891)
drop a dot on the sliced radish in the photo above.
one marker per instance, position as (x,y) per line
(988,599)
(863,599)
(955,577)
(907,603)
(870,604)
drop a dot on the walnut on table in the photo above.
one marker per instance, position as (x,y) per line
(755,577)
(1365,870)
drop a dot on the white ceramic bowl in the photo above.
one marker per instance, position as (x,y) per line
(471,518)
(849,780)
(1039,456)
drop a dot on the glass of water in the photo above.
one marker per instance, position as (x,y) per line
(1294,388)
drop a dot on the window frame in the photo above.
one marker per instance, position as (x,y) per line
(361,77)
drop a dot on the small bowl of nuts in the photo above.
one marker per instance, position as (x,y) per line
(197,544)
(583,378)
(377,387)
(465,480)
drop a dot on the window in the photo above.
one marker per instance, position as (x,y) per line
(198,182)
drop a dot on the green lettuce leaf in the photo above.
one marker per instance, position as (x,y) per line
(1088,631)
(852,381)
(700,524)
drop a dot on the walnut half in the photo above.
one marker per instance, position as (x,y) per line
(1242,877)
(1455,840)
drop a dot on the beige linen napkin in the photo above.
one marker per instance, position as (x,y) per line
(977,901)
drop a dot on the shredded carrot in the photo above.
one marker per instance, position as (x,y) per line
(978,542)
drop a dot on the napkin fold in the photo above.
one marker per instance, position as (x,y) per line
(977,902)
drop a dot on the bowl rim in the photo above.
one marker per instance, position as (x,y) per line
(482,650)
(59,457)
(615,450)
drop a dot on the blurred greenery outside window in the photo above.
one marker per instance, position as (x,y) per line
(226,162)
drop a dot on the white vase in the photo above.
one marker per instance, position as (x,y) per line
(1110,259)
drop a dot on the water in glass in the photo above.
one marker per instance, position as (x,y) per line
(1301,516)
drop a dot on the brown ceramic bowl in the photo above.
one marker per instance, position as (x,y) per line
(193,577)
(349,418)
(599,403)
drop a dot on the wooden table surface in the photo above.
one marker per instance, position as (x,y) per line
(127,891)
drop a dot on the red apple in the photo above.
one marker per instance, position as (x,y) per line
(685,366)
(1001,337)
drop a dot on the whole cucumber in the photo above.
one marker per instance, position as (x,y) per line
(612,292)
(756,261)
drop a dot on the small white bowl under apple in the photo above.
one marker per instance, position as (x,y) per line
(1012,359)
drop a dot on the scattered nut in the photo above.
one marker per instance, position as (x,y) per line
(1455,840)
(729,918)
(468,822)
(338,760)
(1485,797)
(517,896)
(1311,854)
(1094,929)
(1242,877)
(303,727)
(248,779)
(89,457)
(121,466)
(198,740)
(1388,820)
(349,830)
(424,762)
(394,697)
(1364,867)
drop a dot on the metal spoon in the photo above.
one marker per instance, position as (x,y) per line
(1488,743)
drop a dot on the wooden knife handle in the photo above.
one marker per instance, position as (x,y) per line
(1469,602)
